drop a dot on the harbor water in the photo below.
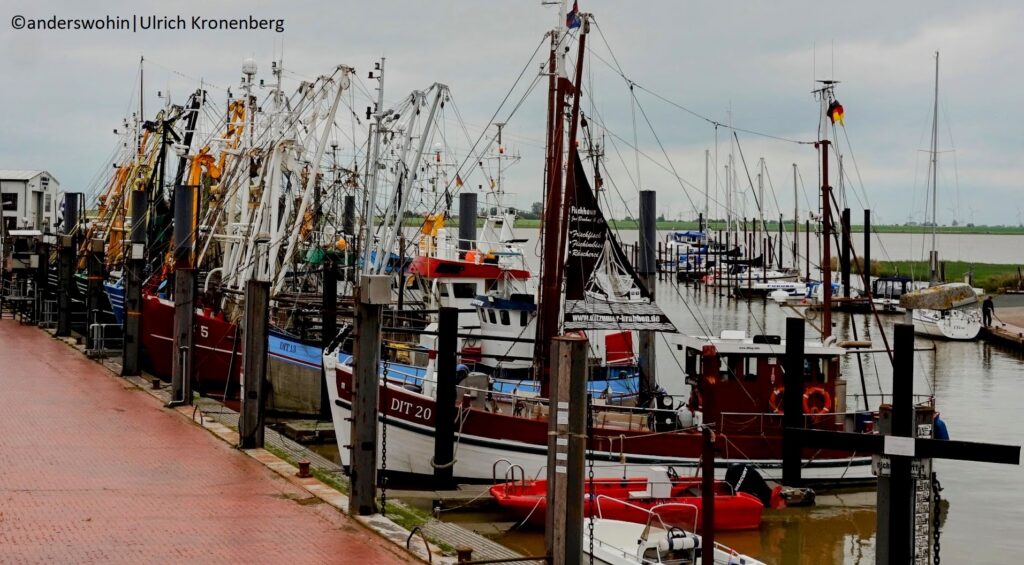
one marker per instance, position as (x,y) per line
(976,386)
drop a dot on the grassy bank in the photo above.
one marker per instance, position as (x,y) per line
(990,276)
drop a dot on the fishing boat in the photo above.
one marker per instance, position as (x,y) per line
(631,499)
(587,285)
(616,542)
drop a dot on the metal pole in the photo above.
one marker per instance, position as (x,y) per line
(373,293)
(566,445)
(826,244)
(445,412)
(132,348)
(254,378)
(707,490)
(793,410)
(796,223)
(648,274)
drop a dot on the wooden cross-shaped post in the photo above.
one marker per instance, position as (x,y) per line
(906,458)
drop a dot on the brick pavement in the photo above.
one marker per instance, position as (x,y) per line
(93,470)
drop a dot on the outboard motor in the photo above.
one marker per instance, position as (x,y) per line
(745,478)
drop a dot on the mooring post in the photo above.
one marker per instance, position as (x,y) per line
(373,292)
(95,267)
(445,411)
(900,501)
(42,275)
(254,363)
(136,261)
(866,267)
(707,495)
(467,221)
(792,403)
(329,327)
(567,418)
(647,269)
(65,273)
(184,296)
(844,260)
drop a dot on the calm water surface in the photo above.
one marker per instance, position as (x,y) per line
(978,390)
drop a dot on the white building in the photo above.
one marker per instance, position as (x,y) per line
(28,199)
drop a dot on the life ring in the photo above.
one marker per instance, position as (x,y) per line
(817,392)
(810,314)
(775,400)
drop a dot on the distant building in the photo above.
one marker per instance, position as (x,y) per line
(28,199)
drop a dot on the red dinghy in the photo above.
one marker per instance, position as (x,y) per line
(677,501)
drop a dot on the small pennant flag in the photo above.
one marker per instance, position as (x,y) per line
(835,113)
(573,19)
(458,181)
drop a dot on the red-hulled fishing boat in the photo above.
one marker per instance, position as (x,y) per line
(677,500)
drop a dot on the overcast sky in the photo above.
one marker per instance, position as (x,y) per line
(67,90)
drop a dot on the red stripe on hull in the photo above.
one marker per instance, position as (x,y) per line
(432,267)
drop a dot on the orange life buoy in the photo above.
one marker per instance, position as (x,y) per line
(817,392)
(775,400)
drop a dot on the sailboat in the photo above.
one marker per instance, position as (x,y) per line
(959,319)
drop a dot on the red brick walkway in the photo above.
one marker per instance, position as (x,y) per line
(93,470)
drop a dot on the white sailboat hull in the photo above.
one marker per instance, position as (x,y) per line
(961,324)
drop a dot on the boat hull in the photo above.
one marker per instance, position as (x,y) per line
(488,443)
(959,324)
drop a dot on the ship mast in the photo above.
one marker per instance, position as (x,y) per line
(933,255)
(553,256)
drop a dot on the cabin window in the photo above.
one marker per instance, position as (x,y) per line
(524,318)
(9,202)
(691,362)
(464,290)
(505,319)
(480,312)
(750,369)
(490,314)
(442,289)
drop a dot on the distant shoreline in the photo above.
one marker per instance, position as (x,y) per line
(773,227)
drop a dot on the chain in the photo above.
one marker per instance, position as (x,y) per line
(383,479)
(590,474)
(937,510)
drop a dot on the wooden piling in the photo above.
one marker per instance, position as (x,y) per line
(254,374)
(445,410)
(792,401)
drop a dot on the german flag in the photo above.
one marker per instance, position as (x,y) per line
(835,113)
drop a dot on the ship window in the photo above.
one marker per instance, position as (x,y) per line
(524,318)
(504,318)
(442,289)
(464,290)
(490,314)
(480,311)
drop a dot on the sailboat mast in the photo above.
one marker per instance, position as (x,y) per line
(933,257)
(796,223)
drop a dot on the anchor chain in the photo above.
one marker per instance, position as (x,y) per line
(590,474)
(383,478)
(937,511)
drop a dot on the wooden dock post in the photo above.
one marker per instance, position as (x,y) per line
(792,401)
(65,272)
(136,261)
(373,292)
(445,410)
(647,269)
(182,363)
(254,363)
(328,326)
(95,272)
(567,418)
(844,258)
(866,267)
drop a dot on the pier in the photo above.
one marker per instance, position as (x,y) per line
(96,470)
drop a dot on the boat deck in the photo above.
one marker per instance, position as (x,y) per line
(94,471)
